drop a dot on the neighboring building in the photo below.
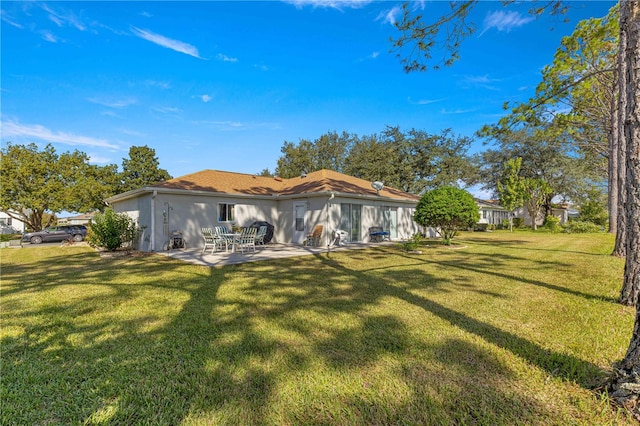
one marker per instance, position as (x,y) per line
(558,210)
(81,219)
(491,212)
(9,225)
(294,206)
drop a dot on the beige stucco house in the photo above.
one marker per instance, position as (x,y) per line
(294,206)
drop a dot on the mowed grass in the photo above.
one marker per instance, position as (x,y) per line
(510,329)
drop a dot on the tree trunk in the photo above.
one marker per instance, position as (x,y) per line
(614,136)
(620,248)
(533,210)
(631,283)
(630,24)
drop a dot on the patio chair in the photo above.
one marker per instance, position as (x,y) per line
(247,239)
(209,239)
(221,238)
(313,239)
(262,232)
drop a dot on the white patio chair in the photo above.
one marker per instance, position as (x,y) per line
(247,239)
(262,232)
(209,240)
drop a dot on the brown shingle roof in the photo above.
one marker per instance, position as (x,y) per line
(318,181)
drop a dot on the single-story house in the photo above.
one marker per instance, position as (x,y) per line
(491,212)
(81,219)
(560,211)
(10,225)
(293,206)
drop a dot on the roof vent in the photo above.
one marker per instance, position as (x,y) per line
(303,175)
(377,185)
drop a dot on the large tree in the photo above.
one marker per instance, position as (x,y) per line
(141,169)
(326,152)
(577,98)
(420,38)
(35,185)
(413,160)
(545,154)
(511,187)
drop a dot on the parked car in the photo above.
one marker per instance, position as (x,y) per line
(56,233)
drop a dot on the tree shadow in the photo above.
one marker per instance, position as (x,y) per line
(209,356)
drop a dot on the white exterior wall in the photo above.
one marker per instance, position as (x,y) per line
(17,226)
(188,213)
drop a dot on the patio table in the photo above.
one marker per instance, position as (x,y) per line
(234,238)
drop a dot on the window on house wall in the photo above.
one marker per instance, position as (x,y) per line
(226,212)
(4,221)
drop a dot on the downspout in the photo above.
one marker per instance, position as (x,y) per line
(152,240)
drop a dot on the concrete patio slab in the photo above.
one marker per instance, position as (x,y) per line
(268,252)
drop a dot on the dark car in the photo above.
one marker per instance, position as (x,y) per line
(56,233)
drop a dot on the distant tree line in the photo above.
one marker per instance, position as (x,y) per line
(413,161)
(36,184)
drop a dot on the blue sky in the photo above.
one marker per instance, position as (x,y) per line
(222,85)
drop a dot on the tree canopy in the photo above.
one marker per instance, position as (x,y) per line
(35,182)
(511,187)
(447,208)
(141,169)
(413,160)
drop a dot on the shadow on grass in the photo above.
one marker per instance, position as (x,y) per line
(488,264)
(223,357)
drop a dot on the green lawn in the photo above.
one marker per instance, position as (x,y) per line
(510,329)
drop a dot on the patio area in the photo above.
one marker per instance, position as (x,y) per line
(268,252)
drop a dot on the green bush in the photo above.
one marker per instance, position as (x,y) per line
(518,222)
(111,230)
(8,237)
(552,224)
(413,243)
(578,227)
(449,209)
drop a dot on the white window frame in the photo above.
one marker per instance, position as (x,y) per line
(229,212)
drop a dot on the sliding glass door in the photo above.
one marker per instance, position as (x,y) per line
(351,220)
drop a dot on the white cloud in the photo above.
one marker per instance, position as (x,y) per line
(132,133)
(456,111)
(47,36)
(235,125)
(205,98)
(481,81)
(424,101)
(334,4)
(390,16)
(163,41)
(504,21)
(160,84)
(110,114)
(114,103)
(97,159)
(63,17)
(225,58)
(167,110)
(9,20)
(13,129)
(372,56)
